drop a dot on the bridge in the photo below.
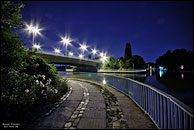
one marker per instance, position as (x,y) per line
(83,64)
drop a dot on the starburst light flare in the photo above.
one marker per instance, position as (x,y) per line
(36,46)
(57,50)
(81,56)
(70,53)
(66,41)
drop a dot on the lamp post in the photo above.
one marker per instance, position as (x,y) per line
(34,30)
(83,48)
(133,70)
(66,41)
(94,51)
(36,47)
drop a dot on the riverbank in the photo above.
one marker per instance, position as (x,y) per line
(123,71)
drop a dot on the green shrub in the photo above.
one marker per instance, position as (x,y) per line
(27,80)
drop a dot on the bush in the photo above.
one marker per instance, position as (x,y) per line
(27,80)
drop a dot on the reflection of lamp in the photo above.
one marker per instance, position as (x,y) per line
(182,76)
(104,81)
(161,73)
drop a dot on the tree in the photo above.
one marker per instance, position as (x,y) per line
(128,64)
(109,64)
(173,60)
(139,62)
(128,52)
(121,63)
(12,51)
(26,79)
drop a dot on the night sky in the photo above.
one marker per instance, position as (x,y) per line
(152,28)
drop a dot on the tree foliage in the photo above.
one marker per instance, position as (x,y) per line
(109,64)
(26,79)
(139,62)
(174,60)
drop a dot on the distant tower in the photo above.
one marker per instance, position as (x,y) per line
(128,53)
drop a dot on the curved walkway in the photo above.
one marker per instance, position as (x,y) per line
(86,107)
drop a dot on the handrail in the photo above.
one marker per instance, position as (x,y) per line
(164,110)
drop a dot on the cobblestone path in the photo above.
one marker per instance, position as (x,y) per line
(83,109)
(85,106)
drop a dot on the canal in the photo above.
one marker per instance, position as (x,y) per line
(179,85)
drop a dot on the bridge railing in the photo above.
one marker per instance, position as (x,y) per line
(61,55)
(164,110)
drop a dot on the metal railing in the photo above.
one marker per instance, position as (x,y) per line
(164,110)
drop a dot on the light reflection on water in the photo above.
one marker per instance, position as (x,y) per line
(179,85)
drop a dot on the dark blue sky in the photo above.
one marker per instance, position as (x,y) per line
(152,28)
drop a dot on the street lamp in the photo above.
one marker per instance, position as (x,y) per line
(101,54)
(34,30)
(71,53)
(81,56)
(66,41)
(94,51)
(104,58)
(57,51)
(83,47)
(133,70)
(36,46)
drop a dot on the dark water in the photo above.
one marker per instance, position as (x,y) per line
(179,85)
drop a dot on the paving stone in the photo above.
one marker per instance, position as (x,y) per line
(55,120)
(88,123)
(116,124)
(74,116)
(60,115)
(75,123)
(95,113)
(80,115)
(72,128)
(68,124)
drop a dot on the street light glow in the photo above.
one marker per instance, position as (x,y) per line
(83,47)
(101,54)
(94,51)
(36,46)
(81,56)
(34,29)
(66,41)
(57,51)
(71,53)
(104,58)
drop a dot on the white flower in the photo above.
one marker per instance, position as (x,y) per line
(43,76)
(42,91)
(55,91)
(41,84)
(27,90)
(37,82)
(49,81)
